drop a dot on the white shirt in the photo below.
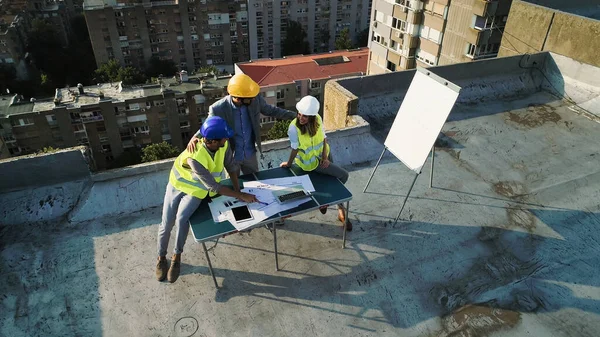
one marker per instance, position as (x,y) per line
(293,134)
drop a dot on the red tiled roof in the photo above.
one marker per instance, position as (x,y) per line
(290,69)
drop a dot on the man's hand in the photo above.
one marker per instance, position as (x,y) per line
(247,197)
(325,163)
(191,147)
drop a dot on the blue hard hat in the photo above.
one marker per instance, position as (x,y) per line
(215,127)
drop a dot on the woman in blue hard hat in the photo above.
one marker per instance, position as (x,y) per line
(310,150)
(194,177)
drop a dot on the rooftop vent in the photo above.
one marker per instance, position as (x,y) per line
(327,61)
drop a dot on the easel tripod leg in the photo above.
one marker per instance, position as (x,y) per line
(406,197)
(210,265)
(374,169)
(275,243)
(432,163)
(345,225)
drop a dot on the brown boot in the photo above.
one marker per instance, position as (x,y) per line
(161,268)
(342,218)
(173,273)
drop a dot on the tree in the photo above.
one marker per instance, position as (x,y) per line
(159,151)
(279,130)
(48,149)
(209,69)
(108,72)
(362,38)
(158,67)
(324,38)
(295,42)
(131,75)
(344,41)
(112,71)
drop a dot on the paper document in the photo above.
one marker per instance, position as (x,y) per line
(303,180)
(221,207)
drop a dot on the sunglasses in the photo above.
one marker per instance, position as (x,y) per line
(245,101)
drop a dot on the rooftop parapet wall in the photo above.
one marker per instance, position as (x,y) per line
(379,96)
(79,196)
(21,173)
(533,28)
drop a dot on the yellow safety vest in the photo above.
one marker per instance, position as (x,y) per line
(181,176)
(310,149)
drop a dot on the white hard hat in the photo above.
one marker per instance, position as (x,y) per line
(308,106)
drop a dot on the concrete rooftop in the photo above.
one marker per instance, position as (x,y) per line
(505,243)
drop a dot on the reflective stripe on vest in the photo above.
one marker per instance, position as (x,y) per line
(182,178)
(310,149)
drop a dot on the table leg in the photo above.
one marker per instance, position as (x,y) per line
(275,243)
(210,265)
(345,224)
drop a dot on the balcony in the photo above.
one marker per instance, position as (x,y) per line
(485,7)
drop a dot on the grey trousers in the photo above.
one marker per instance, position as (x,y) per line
(178,207)
(334,171)
(250,165)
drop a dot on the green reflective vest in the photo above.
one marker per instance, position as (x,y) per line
(181,176)
(310,149)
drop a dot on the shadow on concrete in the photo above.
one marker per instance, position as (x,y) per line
(491,275)
(50,277)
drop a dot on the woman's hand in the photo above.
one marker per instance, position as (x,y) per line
(325,163)
(191,147)
(285,164)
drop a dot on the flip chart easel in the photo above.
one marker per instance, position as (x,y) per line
(419,120)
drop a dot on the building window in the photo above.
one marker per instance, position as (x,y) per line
(399,24)
(391,66)
(51,119)
(281,94)
(21,122)
(431,34)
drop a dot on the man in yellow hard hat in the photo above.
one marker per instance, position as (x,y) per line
(241,109)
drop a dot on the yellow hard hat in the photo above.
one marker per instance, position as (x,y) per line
(241,85)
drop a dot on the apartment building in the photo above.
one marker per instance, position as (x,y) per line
(110,118)
(409,33)
(322,21)
(191,33)
(13,39)
(283,82)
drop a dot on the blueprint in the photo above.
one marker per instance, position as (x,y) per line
(220,207)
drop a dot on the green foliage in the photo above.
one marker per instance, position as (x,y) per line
(159,151)
(158,67)
(279,130)
(362,38)
(343,41)
(131,75)
(209,69)
(295,42)
(112,71)
(48,149)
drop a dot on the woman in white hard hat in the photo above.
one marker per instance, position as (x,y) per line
(310,150)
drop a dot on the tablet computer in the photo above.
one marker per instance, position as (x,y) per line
(241,213)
